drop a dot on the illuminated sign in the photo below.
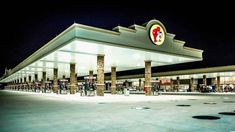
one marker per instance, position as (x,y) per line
(157,34)
(165,81)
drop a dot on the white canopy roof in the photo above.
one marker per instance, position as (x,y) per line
(125,48)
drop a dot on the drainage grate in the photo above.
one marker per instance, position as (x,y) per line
(229,101)
(192,99)
(184,105)
(141,108)
(206,117)
(102,103)
(227,113)
(209,103)
(174,100)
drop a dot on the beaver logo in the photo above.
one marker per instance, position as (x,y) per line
(157,34)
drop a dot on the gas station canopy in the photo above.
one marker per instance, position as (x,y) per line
(125,48)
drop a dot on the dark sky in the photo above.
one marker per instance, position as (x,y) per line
(211,27)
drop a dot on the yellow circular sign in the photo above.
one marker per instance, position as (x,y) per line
(157,34)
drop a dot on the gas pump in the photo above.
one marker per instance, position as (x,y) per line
(48,86)
(37,87)
(30,87)
(26,87)
(80,88)
(86,87)
(119,87)
(155,87)
(33,87)
(20,87)
(15,87)
(63,86)
(23,87)
(90,86)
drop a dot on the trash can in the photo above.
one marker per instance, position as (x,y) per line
(160,92)
(82,93)
(90,92)
(126,92)
(155,93)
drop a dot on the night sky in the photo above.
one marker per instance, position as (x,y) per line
(210,27)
